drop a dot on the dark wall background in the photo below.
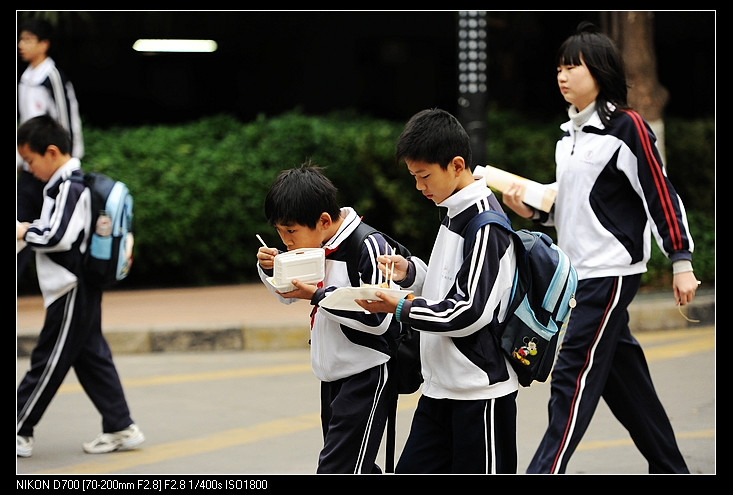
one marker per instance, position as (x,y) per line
(384,64)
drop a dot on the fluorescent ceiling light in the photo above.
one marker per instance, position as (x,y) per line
(198,46)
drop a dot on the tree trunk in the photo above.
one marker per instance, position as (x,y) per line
(634,35)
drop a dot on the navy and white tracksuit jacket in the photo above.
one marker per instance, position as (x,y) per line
(44,89)
(458,299)
(349,355)
(72,330)
(465,420)
(613,195)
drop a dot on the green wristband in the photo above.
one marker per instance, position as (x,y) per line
(399,309)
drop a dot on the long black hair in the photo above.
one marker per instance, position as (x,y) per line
(604,63)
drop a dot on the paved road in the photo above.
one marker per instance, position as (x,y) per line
(255,413)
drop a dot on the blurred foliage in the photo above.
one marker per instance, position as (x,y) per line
(199,187)
(690,162)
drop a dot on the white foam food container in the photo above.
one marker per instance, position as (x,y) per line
(305,264)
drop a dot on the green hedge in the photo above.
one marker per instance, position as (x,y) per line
(199,187)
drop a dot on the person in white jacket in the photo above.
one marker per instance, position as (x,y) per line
(612,194)
(71,336)
(42,89)
(465,421)
(350,349)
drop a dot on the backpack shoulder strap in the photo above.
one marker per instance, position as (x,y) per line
(354,242)
(486,216)
(353,245)
(79,178)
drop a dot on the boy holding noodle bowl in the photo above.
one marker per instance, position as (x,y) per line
(350,349)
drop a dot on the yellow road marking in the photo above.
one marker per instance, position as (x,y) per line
(684,343)
(627,442)
(684,348)
(281,369)
(174,450)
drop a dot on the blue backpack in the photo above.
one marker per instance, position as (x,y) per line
(543,295)
(106,261)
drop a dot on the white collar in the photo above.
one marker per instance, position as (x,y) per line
(580,118)
(33,76)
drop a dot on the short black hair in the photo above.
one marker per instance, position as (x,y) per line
(434,136)
(38,26)
(43,131)
(300,195)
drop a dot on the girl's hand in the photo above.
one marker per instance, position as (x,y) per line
(512,197)
(266,257)
(684,286)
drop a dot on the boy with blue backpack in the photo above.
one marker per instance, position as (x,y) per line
(465,421)
(72,330)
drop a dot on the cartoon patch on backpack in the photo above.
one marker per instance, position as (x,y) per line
(528,349)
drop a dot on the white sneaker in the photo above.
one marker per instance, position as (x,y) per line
(23,446)
(109,442)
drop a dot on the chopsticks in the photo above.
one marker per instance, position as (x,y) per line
(390,268)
